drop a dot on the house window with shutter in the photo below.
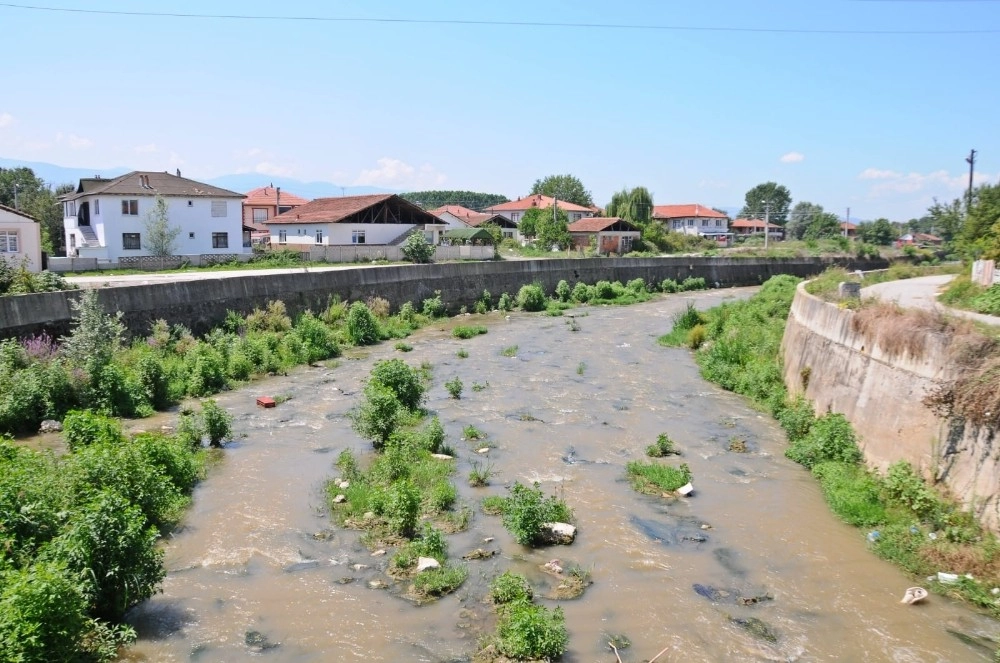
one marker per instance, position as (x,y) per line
(131,241)
(220,240)
(130,208)
(219,208)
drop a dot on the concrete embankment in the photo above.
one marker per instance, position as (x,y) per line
(882,394)
(203,304)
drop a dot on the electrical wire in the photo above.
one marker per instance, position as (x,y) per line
(498,23)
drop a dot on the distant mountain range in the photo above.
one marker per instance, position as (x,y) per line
(241,182)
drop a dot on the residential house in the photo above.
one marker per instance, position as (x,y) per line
(848,229)
(919,239)
(20,239)
(456,216)
(105,218)
(515,209)
(693,220)
(610,234)
(756,227)
(267,202)
(382,218)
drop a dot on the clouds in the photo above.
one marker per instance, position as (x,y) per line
(6,119)
(149,148)
(792,157)
(938,182)
(397,174)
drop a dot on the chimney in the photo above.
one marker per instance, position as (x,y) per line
(277,200)
(178,172)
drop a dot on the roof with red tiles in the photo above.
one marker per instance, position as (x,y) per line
(685,212)
(847,225)
(753,223)
(268,195)
(334,210)
(454,210)
(596,224)
(537,200)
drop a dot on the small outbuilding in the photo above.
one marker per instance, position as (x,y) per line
(611,234)
(477,236)
(20,239)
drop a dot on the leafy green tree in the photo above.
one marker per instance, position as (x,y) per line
(160,238)
(778,196)
(823,225)
(471,199)
(563,187)
(96,336)
(36,199)
(402,380)
(634,205)
(978,235)
(800,217)
(362,327)
(378,415)
(417,249)
(552,229)
(944,219)
(528,226)
(880,232)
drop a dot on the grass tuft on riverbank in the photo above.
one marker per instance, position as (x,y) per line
(906,521)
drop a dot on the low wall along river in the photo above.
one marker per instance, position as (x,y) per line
(202,304)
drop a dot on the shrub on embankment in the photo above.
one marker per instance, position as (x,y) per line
(907,521)
(78,536)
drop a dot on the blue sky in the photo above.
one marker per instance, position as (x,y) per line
(879,123)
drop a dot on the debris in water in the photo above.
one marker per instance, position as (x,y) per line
(265,402)
(479,553)
(258,641)
(914,594)
(756,628)
(738,444)
(379,552)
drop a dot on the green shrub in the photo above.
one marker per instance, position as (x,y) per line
(563,291)
(505,303)
(664,446)
(526,510)
(82,428)
(153,381)
(654,477)
(274,318)
(852,493)
(433,307)
(669,286)
(905,486)
(318,340)
(402,380)
(581,292)
(479,475)
(440,581)
(440,497)
(693,283)
(638,286)
(604,290)
(696,336)
(797,418)
(173,456)
(402,507)
(379,414)
(454,387)
(433,435)
(531,297)
(830,438)
(528,632)
(431,543)
(509,351)
(362,327)
(510,587)
(470,432)
(417,249)
(494,505)
(206,370)
(468,331)
(218,424)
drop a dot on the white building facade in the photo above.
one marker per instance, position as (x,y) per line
(107,219)
(20,240)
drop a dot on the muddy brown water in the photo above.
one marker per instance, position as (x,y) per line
(568,412)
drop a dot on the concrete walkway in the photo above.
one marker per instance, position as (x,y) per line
(922,292)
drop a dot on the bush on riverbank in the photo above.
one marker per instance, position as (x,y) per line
(525,510)
(916,528)
(525,631)
(78,536)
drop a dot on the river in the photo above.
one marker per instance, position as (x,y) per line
(258,555)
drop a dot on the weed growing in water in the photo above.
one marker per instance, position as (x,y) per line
(480,386)
(581,367)
(403,347)
(470,432)
(462,353)
(479,476)
(468,331)
(509,351)
(454,387)
(663,446)
(654,478)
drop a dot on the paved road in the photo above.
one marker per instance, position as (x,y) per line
(922,292)
(100,281)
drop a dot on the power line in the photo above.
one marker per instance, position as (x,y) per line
(512,24)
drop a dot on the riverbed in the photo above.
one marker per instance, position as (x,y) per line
(258,571)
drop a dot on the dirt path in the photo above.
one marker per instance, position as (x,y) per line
(922,292)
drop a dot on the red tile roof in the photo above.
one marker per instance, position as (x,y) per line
(847,225)
(537,200)
(329,210)
(685,211)
(266,195)
(596,224)
(927,237)
(753,223)
(454,210)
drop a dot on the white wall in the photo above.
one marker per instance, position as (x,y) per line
(702,226)
(195,218)
(29,240)
(452,221)
(336,233)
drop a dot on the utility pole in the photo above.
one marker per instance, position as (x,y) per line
(971,159)
(848,222)
(767,221)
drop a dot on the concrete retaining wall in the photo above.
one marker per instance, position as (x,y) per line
(203,304)
(840,370)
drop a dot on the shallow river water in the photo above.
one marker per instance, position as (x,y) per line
(568,411)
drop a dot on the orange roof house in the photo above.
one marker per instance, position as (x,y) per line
(609,233)
(515,209)
(692,219)
(267,202)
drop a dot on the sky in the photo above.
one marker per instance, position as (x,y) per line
(871,105)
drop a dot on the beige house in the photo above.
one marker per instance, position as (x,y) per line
(610,234)
(20,239)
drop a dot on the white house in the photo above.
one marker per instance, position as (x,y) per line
(20,239)
(693,220)
(456,216)
(515,209)
(374,219)
(105,218)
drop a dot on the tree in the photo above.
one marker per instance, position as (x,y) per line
(471,199)
(417,249)
(880,232)
(37,200)
(822,226)
(551,229)
(798,221)
(977,234)
(778,196)
(633,205)
(160,236)
(528,225)
(945,219)
(563,187)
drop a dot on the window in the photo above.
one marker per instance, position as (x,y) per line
(690,222)
(8,241)
(319,236)
(219,208)
(626,244)
(220,240)
(190,235)
(190,203)
(357,237)
(69,208)
(130,208)
(131,241)
(259,215)
(282,236)
(514,216)
(72,241)
(718,223)
(97,206)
